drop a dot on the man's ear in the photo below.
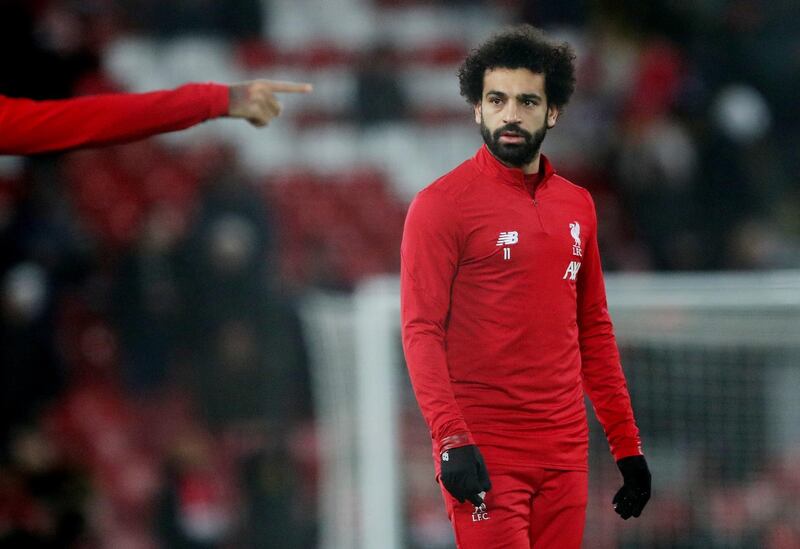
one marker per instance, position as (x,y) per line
(552,115)
(477,108)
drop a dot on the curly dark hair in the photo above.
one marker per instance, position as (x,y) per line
(522,47)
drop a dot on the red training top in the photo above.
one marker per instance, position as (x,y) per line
(31,127)
(504,318)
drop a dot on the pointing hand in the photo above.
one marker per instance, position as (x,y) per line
(256,102)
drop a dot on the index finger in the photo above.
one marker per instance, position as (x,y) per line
(289,87)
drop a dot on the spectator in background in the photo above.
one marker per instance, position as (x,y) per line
(658,160)
(226,247)
(658,170)
(379,96)
(733,196)
(149,301)
(40,254)
(248,357)
(228,303)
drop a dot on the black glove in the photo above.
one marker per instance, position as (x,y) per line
(635,492)
(464,474)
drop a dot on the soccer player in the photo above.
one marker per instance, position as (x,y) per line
(504,317)
(31,127)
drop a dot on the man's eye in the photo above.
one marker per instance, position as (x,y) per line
(529,103)
(495,101)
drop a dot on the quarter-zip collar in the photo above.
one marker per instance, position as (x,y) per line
(491,166)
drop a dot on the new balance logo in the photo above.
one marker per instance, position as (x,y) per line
(508,238)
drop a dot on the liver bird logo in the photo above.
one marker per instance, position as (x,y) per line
(575,231)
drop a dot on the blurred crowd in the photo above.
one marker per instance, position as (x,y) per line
(148,355)
(154,380)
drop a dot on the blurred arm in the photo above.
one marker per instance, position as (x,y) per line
(31,127)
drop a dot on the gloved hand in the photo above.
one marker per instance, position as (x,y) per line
(464,474)
(635,492)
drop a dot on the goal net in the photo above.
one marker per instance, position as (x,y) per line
(713,370)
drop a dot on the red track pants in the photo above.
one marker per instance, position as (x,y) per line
(535,508)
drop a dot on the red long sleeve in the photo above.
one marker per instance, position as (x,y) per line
(31,127)
(504,318)
(603,379)
(429,259)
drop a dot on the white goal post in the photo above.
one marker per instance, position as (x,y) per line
(685,338)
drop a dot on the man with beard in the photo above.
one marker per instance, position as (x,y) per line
(504,317)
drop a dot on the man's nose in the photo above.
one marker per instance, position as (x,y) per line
(511,113)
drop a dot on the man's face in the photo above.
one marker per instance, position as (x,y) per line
(513,114)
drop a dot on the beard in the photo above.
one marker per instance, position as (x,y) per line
(515,155)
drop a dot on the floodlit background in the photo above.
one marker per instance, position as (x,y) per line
(195,351)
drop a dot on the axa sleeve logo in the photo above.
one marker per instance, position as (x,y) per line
(505,239)
(572,270)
